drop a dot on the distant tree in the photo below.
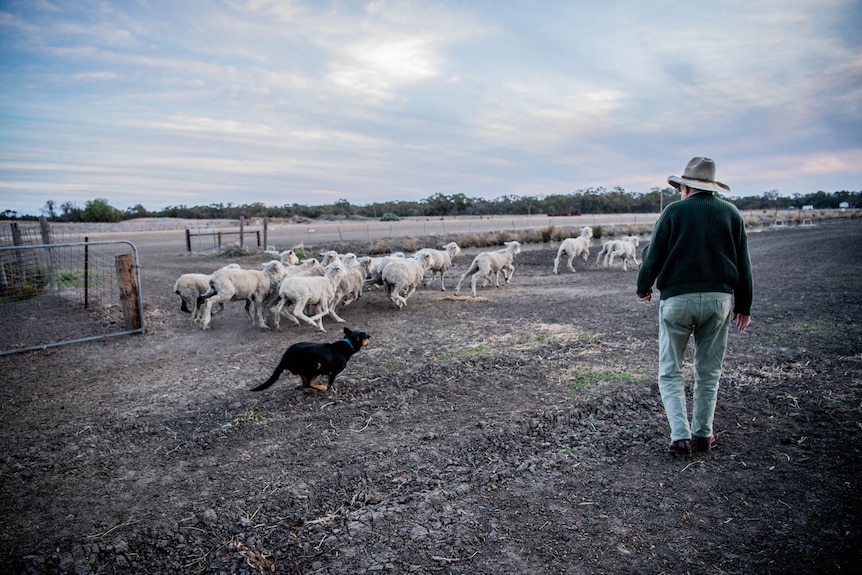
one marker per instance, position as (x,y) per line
(67,208)
(438,205)
(136,211)
(99,210)
(50,209)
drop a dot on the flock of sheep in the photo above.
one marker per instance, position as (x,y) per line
(307,291)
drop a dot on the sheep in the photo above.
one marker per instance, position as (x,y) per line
(402,276)
(573,247)
(376,267)
(307,267)
(240,284)
(625,248)
(350,287)
(288,258)
(441,261)
(488,264)
(190,287)
(302,291)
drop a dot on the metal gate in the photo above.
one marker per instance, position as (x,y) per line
(56,294)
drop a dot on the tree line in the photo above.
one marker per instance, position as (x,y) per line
(589,201)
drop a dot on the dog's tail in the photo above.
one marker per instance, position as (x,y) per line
(275,375)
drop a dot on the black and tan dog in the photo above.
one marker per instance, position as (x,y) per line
(310,360)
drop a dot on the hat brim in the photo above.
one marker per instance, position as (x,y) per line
(676,182)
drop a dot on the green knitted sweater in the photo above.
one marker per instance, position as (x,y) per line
(699,245)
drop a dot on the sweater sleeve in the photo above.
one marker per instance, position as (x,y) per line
(743,294)
(652,259)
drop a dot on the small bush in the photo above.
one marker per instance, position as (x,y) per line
(597,232)
(389,217)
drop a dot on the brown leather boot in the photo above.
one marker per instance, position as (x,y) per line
(703,444)
(681,448)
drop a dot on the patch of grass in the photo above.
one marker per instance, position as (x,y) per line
(386,367)
(73,278)
(816,328)
(592,377)
(253,416)
(464,352)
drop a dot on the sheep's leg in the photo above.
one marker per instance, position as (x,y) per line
(334,315)
(571,259)
(299,312)
(557,263)
(460,281)
(511,273)
(279,311)
(205,322)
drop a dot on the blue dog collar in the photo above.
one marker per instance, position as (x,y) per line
(350,343)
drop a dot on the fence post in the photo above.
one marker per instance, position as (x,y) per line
(49,255)
(19,257)
(188,240)
(86,272)
(241,231)
(128,291)
(265,232)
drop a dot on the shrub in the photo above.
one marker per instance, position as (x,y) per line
(389,217)
(597,231)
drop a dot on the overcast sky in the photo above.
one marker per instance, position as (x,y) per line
(165,103)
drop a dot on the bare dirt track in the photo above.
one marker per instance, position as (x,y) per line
(518,434)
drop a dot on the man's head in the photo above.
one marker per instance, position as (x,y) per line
(699,174)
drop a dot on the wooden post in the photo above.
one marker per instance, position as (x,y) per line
(128,291)
(188,240)
(241,230)
(265,232)
(49,254)
(21,276)
(86,272)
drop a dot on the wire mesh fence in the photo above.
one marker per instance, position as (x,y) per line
(54,294)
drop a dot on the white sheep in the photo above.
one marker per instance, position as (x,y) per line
(573,247)
(288,258)
(302,291)
(253,286)
(402,276)
(490,264)
(350,286)
(441,261)
(191,286)
(624,248)
(376,267)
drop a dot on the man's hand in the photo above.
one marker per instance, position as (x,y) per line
(646,297)
(741,321)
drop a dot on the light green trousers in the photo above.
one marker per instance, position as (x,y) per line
(707,317)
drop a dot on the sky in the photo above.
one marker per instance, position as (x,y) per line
(163,103)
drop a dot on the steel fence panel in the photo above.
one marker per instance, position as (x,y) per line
(56,294)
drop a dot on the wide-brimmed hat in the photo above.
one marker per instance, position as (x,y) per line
(700,175)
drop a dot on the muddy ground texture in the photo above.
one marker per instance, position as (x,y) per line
(518,433)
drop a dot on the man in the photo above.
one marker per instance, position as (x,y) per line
(698,259)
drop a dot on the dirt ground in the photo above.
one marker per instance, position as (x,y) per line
(521,433)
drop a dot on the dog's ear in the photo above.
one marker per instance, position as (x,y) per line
(347,331)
